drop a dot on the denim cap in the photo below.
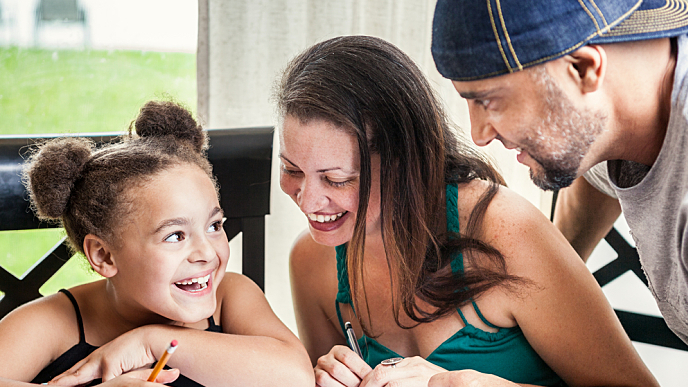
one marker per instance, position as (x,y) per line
(477,39)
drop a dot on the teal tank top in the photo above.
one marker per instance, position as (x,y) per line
(505,353)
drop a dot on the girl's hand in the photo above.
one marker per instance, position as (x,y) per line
(125,353)
(139,377)
(468,378)
(340,367)
(410,372)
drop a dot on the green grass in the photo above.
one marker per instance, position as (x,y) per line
(71,91)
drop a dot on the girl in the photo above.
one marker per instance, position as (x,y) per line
(414,239)
(146,215)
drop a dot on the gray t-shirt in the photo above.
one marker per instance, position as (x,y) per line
(656,208)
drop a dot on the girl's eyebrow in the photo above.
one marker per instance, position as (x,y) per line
(171,222)
(183,221)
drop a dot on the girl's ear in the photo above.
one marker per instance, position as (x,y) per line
(99,256)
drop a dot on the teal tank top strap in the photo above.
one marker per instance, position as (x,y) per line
(482,318)
(452,194)
(343,291)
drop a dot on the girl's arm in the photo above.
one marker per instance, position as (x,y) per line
(563,313)
(35,334)
(256,348)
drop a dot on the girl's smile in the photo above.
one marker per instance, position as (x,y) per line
(174,250)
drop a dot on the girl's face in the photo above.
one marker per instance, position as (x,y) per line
(173,250)
(320,171)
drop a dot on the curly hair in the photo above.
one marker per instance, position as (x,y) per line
(88,188)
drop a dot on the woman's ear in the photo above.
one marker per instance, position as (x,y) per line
(587,66)
(98,253)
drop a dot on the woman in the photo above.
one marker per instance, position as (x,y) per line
(414,239)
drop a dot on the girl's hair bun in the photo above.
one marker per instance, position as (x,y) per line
(165,118)
(52,171)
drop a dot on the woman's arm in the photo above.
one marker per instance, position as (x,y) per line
(313,277)
(313,272)
(256,348)
(563,313)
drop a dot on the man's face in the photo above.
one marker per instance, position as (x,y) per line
(529,112)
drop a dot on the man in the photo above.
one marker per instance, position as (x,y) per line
(571,84)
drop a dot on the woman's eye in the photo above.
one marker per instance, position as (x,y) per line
(175,237)
(290,172)
(484,103)
(337,184)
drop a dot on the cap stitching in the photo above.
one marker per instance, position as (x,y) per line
(499,41)
(654,20)
(506,35)
(619,20)
(599,13)
(597,26)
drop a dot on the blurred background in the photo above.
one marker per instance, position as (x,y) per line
(69,66)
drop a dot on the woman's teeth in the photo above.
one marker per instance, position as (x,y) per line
(194,284)
(325,218)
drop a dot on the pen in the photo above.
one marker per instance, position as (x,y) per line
(162,361)
(353,343)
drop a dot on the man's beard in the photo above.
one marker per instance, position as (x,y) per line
(562,138)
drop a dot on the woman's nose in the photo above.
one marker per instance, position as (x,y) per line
(311,197)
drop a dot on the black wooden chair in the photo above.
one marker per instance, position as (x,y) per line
(63,12)
(241,161)
(639,327)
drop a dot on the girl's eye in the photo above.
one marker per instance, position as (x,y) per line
(484,103)
(175,237)
(216,226)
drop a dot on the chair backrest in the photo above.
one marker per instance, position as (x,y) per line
(241,160)
(59,10)
(639,327)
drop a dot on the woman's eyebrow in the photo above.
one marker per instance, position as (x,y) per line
(281,156)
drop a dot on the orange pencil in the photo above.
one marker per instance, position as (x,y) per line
(162,361)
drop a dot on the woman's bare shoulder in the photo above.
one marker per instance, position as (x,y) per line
(518,229)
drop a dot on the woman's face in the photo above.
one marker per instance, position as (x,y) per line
(320,171)
(173,250)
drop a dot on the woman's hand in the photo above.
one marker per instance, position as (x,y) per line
(125,353)
(340,367)
(468,378)
(410,372)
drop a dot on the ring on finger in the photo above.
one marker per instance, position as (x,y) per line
(392,361)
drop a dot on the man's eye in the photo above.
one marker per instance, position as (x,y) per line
(175,237)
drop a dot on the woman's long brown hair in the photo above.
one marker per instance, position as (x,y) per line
(372,90)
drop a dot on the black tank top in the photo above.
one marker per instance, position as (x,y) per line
(82,349)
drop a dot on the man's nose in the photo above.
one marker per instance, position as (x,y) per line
(482,130)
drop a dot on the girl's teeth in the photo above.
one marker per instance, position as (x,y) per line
(200,280)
